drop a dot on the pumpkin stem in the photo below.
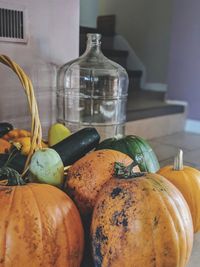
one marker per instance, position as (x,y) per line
(178,161)
(126,172)
(12,176)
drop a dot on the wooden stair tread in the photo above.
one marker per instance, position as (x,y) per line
(134,73)
(143,104)
(152,112)
(106,24)
(85,30)
(110,52)
(115,52)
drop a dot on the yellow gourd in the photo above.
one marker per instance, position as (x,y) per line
(24,144)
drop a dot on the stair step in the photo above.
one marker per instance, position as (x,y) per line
(156,111)
(153,127)
(119,56)
(134,79)
(84,30)
(106,24)
(147,112)
(115,53)
(134,73)
(146,104)
(110,52)
(148,115)
(144,97)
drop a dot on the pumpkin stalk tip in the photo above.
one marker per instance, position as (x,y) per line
(178,161)
(126,172)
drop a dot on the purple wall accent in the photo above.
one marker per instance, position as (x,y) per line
(184,64)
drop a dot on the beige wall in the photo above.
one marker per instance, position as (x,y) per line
(146,26)
(53,37)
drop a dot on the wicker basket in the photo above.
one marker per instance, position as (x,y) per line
(36,130)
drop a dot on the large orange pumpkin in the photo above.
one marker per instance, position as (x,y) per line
(39,226)
(86,176)
(141,222)
(187,180)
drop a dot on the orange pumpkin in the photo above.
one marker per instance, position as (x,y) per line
(4,146)
(86,176)
(187,180)
(141,222)
(39,226)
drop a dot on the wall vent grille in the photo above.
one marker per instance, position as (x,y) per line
(12,26)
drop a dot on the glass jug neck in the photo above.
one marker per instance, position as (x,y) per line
(93,42)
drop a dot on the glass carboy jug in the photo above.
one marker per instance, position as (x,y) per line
(92,91)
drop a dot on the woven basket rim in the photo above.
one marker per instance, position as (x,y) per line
(36,129)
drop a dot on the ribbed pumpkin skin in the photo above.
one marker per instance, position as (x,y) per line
(188,182)
(39,227)
(135,147)
(86,176)
(142,222)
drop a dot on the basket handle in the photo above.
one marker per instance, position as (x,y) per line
(36,129)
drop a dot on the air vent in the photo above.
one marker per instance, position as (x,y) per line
(12,25)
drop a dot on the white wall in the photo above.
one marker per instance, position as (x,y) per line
(53,27)
(89,10)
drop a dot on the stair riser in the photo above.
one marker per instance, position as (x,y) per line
(120,60)
(106,24)
(158,126)
(107,42)
(134,84)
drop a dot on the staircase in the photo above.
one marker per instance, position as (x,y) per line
(145,109)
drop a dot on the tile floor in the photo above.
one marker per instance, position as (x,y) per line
(166,148)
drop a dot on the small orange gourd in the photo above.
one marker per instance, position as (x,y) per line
(141,220)
(187,180)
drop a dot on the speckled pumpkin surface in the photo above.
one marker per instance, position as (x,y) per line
(86,176)
(141,222)
(39,227)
